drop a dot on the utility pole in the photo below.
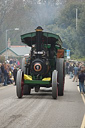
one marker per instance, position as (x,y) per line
(76,18)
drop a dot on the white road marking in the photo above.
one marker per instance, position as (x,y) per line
(83,122)
(82,95)
(83,98)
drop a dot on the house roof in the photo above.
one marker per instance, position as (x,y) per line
(18,50)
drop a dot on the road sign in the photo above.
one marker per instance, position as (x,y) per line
(68,53)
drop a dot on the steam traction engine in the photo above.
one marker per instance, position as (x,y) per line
(44,66)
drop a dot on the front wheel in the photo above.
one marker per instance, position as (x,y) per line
(54,84)
(19,83)
(23,65)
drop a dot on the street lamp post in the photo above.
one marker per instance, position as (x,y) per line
(16,29)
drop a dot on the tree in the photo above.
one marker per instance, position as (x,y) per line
(65,26)
(81,33)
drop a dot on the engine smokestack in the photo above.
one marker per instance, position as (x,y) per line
(39,38)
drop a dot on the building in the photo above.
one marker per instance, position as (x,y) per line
(15,51)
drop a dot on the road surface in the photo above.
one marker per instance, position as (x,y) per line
(39,110)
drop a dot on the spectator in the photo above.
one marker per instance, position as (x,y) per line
(81,77)
(2,68)
(67,67)
(10,61)
(75,70)
(17,63)
(5,75)
(12,67)
(71,70)
(0,74)
(9,80)
(15,74)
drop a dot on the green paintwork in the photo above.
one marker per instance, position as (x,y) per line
(32,34)
(36,82)
(46,34)
(47,45)
(30,38)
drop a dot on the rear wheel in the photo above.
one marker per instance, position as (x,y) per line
(19,83)
(54,84)
(61,75)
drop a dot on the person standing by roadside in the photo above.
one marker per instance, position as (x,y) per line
(81,77)
(71,70)
(75,71)
(5,75)
(2,68)
(0,74)
(9,80)
(15,74)
(67,67)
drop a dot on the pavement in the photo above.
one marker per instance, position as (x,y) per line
(1,84)
(40,110)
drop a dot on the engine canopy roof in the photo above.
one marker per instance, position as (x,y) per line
(47,38)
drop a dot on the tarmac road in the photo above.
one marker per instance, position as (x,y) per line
(39,110)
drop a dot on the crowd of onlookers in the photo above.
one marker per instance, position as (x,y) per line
(76,71)
(8,71)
